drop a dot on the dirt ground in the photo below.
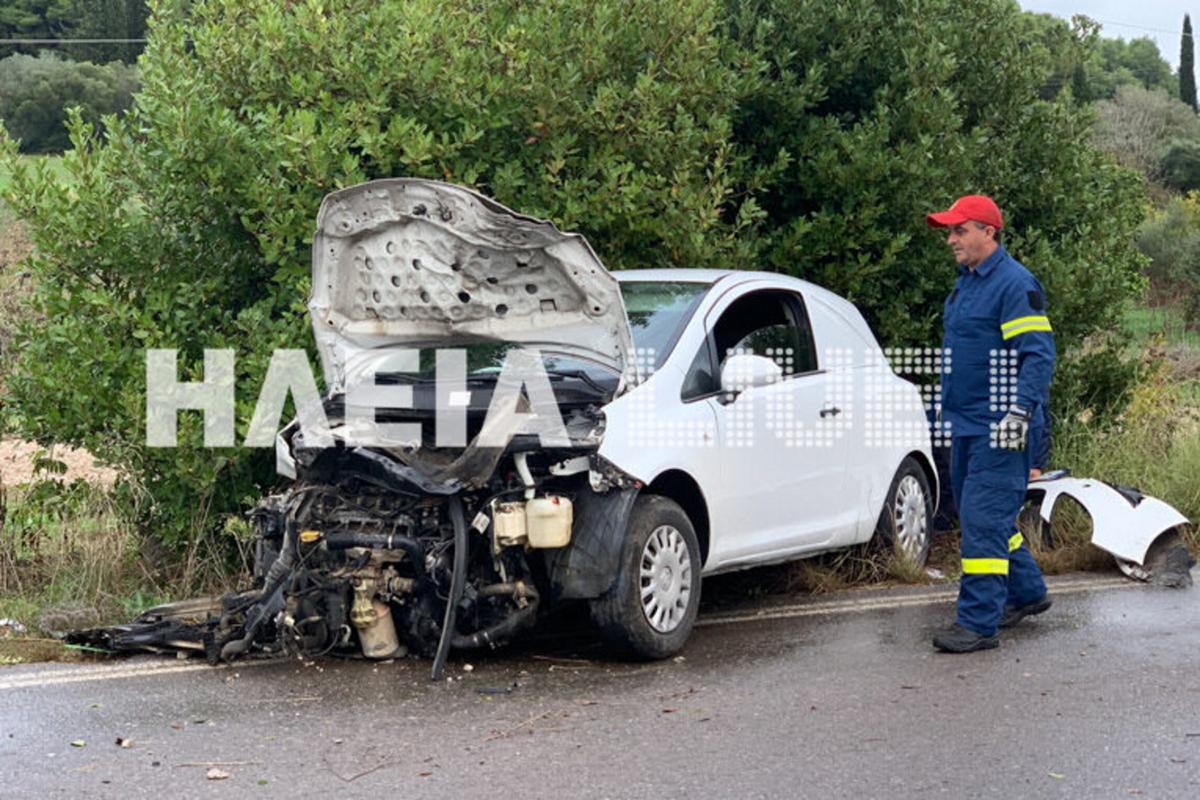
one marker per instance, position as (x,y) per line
(17,464)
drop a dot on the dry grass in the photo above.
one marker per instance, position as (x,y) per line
(15,286)
(68,550)
(857,566)
(1071,549)
(70,557)
(1154,446)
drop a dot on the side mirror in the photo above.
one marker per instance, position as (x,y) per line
(744,371)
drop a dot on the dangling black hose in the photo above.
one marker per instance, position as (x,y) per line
(457,581)
(506,628)
(270,599)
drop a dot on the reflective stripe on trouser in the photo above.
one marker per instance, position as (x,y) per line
(989,489)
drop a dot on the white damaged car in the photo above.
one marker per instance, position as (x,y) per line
(507,425)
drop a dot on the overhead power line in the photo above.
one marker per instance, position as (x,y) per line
(1138,27)
(73,41)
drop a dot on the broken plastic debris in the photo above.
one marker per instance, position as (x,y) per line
(495,689)
(9,627)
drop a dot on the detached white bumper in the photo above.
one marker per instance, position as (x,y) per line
(1124,521)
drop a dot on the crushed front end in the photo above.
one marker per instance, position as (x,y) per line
(394,543)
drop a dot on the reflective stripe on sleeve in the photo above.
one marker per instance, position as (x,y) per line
(985,566)
(1015,541)
(1015,327)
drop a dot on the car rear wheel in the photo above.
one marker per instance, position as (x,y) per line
(651,607)
(906,523)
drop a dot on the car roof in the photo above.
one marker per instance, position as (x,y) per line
(677,275)
(711,276)
(688,275)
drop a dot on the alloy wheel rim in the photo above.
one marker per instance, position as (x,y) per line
(665,584)
(910,517)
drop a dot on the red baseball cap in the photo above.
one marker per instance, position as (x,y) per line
(972,207)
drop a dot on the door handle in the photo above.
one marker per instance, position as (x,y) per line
(832,411)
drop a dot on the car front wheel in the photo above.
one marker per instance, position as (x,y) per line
(649,610)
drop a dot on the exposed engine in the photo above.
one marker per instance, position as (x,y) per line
(350,567)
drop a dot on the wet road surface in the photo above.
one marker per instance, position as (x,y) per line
(838,696)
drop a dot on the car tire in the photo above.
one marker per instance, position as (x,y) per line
(905,524)
(649,610)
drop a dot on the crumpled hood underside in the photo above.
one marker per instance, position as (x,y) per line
(405,261)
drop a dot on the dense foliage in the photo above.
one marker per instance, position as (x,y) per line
(1138,125)
(36,91)
(885,117)
(1171,239)
(1181,164)
(803,137)
(1093,68)
(75,19)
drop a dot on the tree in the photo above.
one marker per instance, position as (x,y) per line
(804,137)
(1181,164)
(1187,70)
(884,118)
(34,93)
(1115,62)
(33,19)
(1066,47)
(1136,125)
(109,19)
(75,19)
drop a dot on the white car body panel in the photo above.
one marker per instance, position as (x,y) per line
(1118,526)
(773,500)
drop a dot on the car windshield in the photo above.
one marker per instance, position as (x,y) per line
(658,311)
(485,359)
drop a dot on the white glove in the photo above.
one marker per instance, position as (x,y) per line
(1013,430)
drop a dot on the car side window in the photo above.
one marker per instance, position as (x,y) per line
(780,343)
(769,323)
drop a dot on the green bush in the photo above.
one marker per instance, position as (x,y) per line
(36,91)
(803,137)
(886,118)
(1181,164)
(1170,238)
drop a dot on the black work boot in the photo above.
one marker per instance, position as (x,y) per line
(1014,614)
(957,639)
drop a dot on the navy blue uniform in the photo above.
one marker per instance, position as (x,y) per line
(999,349)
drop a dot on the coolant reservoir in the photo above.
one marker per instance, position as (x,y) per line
(548,521)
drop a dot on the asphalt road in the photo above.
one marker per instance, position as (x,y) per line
(834,697)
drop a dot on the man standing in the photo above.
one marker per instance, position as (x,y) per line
(1000,355)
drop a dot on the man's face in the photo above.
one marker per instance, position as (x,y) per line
(971,242)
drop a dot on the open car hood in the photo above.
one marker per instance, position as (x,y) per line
(406,261)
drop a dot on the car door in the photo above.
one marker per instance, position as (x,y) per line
(782,447)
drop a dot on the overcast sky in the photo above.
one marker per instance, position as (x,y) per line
(1161,20)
